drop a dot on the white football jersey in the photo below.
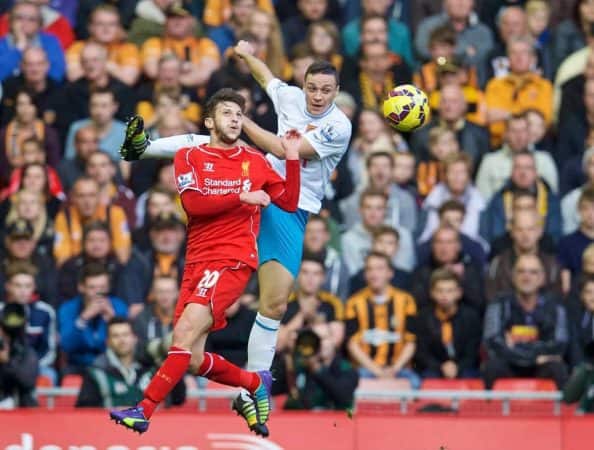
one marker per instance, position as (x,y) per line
(329,134)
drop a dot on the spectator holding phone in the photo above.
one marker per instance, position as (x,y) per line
(83,319)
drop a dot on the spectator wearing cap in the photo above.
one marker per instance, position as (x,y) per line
(25,24)
(517,91)
(526,231)
(452,114)
(446,253)
(524,185)
(96,248)
(84,207)
(34,79)
(101,168)
(19,246)
(105,28)
(199,56)
(40,316)
(451,214)
(83,319)
(386,240)
(166,257)
(18,361)
(53,23)
(496,167)
(316,241)
(526,331)
(448,332)
(71,102)
(474,39)
(372,26)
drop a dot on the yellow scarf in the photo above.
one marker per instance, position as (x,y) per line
(447,331)
(372,94)
(542,202)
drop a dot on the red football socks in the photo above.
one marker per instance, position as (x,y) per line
(169,374)
(216,368)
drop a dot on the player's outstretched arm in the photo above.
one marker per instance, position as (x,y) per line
(258,68)
(285,193)
(271,143)
(166,147)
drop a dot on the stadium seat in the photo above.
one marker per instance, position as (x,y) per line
(43,381)
(524,384)
(438,384)
(383,384)
(72,381)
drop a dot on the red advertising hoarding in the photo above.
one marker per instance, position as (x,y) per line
(91,430)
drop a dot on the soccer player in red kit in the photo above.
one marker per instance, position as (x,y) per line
(223,186)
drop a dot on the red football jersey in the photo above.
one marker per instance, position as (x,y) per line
(209,181)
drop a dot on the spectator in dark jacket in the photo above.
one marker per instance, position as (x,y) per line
(448,333)
(116,378)
(526,231)
(83,319)
(523,181)
(96,248)
(581,320)
(526,332)
(572,246)
(166,257)
(86,142)
(18,361)
(446,252)
(40,328)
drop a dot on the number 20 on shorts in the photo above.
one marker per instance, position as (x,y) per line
(209,279)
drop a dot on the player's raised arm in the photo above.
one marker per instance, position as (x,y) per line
(260,71)
(271,143)
(285,193)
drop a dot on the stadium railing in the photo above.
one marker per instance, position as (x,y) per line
(199,397)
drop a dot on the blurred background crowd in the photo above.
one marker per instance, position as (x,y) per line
(461,250)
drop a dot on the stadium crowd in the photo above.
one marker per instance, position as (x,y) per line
(462,250)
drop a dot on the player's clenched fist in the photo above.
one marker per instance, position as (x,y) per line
(291,142)
(259,198)
(244,48)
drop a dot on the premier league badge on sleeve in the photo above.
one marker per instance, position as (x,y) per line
(184,180)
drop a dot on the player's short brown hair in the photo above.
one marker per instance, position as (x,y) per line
(220,96)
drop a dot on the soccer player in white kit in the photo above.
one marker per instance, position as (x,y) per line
(327,132)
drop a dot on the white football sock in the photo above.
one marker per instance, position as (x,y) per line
(262,343)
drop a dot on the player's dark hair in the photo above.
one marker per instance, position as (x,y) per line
(91,270)
(323,67)
(220,96)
